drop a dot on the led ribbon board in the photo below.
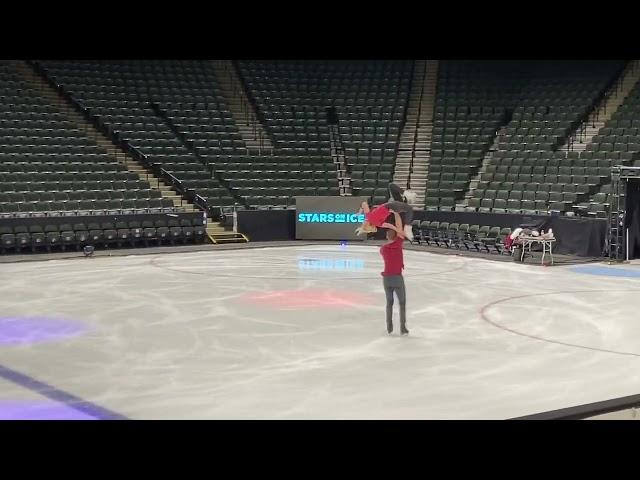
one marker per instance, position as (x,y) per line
(328,218)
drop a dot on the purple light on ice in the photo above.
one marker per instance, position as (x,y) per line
(30,330)
(39,410)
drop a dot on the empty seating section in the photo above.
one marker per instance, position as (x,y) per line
(617,143)
(129,97)
(499,123)
(48,165)
(470,106)
(173,112)
(539,177)
(370,98)
(536,105)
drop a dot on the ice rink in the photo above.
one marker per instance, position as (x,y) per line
(298,332)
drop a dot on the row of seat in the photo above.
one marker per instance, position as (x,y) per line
(70,186)
(279,183)
(580,179)
(60,147)
(32,177)
(84,205)
(47,196)
(543,166)
(105,234)
(559,201)
(497,186)
(61,167)
(57,209)
(454,235)
(323,167)
(285,191)
(510,168)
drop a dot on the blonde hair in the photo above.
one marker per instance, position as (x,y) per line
(366,227)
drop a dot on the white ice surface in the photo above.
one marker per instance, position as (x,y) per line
(180,336)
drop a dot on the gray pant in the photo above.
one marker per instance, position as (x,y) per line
(395,193)
(395,283)
(397,202)
(404,209)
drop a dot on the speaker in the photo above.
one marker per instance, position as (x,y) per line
(332,115)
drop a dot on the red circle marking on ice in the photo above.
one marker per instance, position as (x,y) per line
(308,299)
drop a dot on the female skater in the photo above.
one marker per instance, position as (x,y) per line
(376,217)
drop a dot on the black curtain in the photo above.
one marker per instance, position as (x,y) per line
(267,225)
(632,218)
(583,237)
(576,236)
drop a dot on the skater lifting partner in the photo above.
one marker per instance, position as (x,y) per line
(392,278)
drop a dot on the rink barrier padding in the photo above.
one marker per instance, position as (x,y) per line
(588,410)
(579,236)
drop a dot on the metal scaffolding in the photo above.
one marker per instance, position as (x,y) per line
(615,247)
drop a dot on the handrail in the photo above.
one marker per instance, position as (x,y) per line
(404,117)
(246,111)
(177,184)
(610,90)
(201,202)
(252,114)
(196,154)
(417,126)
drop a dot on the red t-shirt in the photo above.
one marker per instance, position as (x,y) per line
(393,258)
(377,216)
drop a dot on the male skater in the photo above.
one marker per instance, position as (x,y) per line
(392,278)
